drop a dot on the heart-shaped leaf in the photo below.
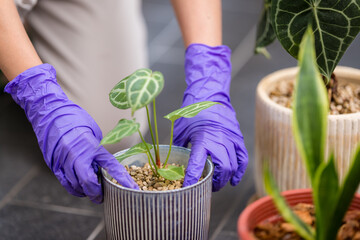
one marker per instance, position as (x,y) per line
(117,95)
(142,87)
(265,32)
(137,149)
(335,24)
(123,129)
(172,172)
(190,110)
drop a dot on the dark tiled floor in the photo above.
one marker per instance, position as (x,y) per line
(33,205)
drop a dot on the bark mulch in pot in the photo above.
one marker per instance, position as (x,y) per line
(276,228)
(346,98)
(146,180)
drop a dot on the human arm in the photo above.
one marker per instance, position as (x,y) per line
(67,135)
(215,131)
(16,51)
(199,21)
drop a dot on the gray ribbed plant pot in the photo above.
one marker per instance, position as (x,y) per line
(174,214)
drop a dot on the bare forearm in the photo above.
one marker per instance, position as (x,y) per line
(16,51)
(199,20)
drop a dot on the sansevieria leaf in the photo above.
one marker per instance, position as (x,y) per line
(300,226)
(142,87)
(172,172)
(310,108)
(123,129)
(265,32)
(325,190)
(346,193)
(190,110)
(137,149)
(335,24)
(117,95)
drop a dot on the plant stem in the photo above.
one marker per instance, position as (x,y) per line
(152,169)
(147,148)
(151,133)
(157,152)
(171,139)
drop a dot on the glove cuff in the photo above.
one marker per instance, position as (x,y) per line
(29,81)
(208,72)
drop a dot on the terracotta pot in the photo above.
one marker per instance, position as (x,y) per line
(264,208)
(274,140)
(174,214)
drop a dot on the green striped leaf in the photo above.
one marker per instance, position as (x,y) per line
(190,110)
(303,229)
(137,149)
(172,172)
(335,23)
(117,95)
(265,32)
(123,129)
(346,193)
(310,108)
(325,190)
(142,87)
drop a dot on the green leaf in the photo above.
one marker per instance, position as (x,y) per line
(123,129)
(137,149)
(142,87)
(117,95)
(310,108)
(346,193)
(303,229)
(172,172)
(325,190)
(335,22)
(265,32)
(190,110)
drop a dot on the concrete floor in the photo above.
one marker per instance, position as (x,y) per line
(33,205)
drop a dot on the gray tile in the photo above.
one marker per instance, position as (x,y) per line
(18,146)
(45,189)
(251,6)
(157,11)
(101,235)
(28,223)
(236,26)
(229,202)
(351,56)
(227,235)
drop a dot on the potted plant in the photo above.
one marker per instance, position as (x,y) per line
(330,198)
(160,209)
(335,25)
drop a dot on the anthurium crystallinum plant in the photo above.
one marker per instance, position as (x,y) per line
(335,25)
(136,91)
(331,198)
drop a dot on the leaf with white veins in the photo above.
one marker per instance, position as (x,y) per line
(137,149)
(142,87)
(172,172)
(117,95)
(190,110)
(123,129)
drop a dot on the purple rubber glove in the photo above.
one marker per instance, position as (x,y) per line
(214,131)
(68,137)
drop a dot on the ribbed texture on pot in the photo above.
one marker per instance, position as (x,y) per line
(174,214)
(274,141)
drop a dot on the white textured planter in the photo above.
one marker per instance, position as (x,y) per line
(174,214)
(274,140)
